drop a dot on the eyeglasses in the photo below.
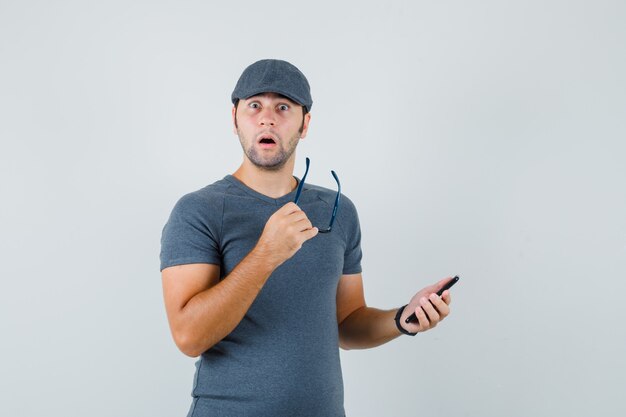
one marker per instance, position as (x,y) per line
(332,218)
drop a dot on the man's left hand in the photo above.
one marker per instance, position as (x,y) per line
(429,308)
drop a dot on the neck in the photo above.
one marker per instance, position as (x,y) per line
(274,184)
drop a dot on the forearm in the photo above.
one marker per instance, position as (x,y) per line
(367,327)
(212,314)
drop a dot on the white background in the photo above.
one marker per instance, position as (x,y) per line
(479,138)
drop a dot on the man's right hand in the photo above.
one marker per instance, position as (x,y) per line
(202,308)
(284,233)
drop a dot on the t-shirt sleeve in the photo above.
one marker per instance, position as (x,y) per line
(352,228)
(191,232)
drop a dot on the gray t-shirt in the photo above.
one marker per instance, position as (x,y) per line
(282,359)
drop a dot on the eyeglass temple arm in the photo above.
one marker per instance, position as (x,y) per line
(306,171)
(336,207)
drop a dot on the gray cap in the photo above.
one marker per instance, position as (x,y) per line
(274,76)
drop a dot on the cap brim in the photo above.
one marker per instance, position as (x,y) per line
(277,91)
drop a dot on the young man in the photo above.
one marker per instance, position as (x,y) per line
(257,285)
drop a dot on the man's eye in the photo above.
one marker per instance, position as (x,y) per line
(254,105)
(283,107)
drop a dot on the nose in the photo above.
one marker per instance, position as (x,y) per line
(267,117)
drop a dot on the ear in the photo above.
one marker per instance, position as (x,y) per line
(305,125)
(234,115)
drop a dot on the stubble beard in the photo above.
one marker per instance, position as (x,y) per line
(271,163)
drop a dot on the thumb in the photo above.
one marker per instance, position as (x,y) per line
(436,287)
(443,282)
(311,233)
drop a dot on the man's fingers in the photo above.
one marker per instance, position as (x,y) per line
(424,324)
(288,208)
(446,297)
(429,309)
(296,216)
(310,233)
(303,224)
(440,305)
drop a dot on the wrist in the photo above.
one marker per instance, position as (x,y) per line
(398,321)
(265,256)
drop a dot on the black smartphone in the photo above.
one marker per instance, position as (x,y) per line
(413,318)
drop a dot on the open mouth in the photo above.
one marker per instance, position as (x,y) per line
(267,140)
